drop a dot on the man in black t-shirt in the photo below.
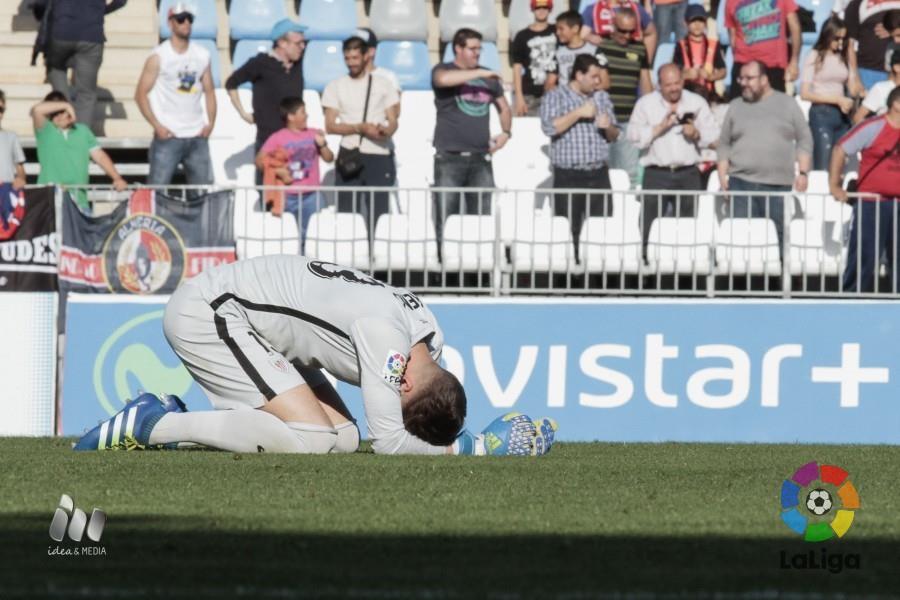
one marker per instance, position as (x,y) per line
(463,94)
(869,41)
(534,57)
(275,76)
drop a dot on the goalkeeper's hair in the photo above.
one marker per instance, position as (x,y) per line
(437,412)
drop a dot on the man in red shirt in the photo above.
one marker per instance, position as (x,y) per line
(874,227)
(759,31)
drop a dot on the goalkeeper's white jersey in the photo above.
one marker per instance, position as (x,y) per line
(322,315)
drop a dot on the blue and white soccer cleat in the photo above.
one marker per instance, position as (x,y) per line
(129,429)
(513,434)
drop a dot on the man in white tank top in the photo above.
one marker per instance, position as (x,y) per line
(175,77)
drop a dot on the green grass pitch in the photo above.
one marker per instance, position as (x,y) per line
(587,521)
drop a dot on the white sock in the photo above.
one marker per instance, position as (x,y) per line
(314,439)
(232,430)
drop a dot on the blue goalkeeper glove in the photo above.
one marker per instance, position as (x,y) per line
(513,434)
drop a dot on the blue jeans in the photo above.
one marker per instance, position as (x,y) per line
(827,124)
(756,206)
(873,232)
(304,210)
(166,155)
(870,77)
(669,19)
(625,155)
(458,170)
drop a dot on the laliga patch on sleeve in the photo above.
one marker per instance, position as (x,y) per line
(394,368)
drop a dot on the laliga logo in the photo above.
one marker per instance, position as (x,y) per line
(72,520)
(818,502)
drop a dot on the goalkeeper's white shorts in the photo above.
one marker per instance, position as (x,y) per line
(235,365)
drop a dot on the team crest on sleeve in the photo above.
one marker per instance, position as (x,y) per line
(394,368)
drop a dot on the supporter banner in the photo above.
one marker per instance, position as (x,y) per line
(146,245)
(28,364)
(743,371)
(29,243)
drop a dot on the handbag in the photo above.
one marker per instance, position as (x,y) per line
(349,160)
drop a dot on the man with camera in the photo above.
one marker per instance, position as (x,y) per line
(670,126)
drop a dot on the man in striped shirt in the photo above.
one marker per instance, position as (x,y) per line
(874,227)
(580,122)
(629,71)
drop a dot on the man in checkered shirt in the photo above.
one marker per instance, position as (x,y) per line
(581,124)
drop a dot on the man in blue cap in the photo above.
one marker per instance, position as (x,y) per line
(274,75)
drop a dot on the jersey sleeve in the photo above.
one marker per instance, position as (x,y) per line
(382,351)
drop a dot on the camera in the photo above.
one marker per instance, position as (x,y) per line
(685,118)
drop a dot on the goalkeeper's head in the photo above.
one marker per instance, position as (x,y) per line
(434,402)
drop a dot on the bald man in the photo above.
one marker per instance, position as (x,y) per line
(670,127)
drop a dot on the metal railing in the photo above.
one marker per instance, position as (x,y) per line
(521,242)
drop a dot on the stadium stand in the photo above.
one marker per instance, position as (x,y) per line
(253,19)
(469,243)
(323,62)
(480,15)
(338,237)
(405,242)
(409,60)
(399,20)
(244,50)
(328,19)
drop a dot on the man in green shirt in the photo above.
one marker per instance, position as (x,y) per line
(65,148)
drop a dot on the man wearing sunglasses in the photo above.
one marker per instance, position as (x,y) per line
(175,77)
(75,38)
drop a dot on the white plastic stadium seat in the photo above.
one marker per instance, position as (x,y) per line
(610,245)
(813,249)
(682,246)
(328,19)
(619,180)
(339,238)
(542,244)
(479,15)
(469,243)
(524,165)
(747,246)
(413,141)
(254,18)
(399,20)
(259,233)
(405,242)
(323,62)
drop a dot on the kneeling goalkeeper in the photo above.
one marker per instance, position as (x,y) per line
(254,335)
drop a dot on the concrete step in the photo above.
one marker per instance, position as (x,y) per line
(122,39)
(32,92)
(112,56)
(112,128)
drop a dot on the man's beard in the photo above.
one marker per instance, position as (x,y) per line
(749,95)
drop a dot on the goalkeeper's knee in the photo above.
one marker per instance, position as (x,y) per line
(314,439)
(347,438)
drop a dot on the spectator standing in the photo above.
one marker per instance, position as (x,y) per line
(874,230)
(580,122)
(75,40)
(371,40)
(875,102)
(869,41)
(629,71)
(763,136)
(363,108)
(275,75)
(301,147)
(463,94)
(534,58)
(12,158)
(670,126)
(759,31)
(701,56)
(825,76)
(571,44)
(175,77)
(669,19)
(65,148)
(600,18)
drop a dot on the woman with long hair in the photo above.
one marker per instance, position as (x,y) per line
(823,83)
